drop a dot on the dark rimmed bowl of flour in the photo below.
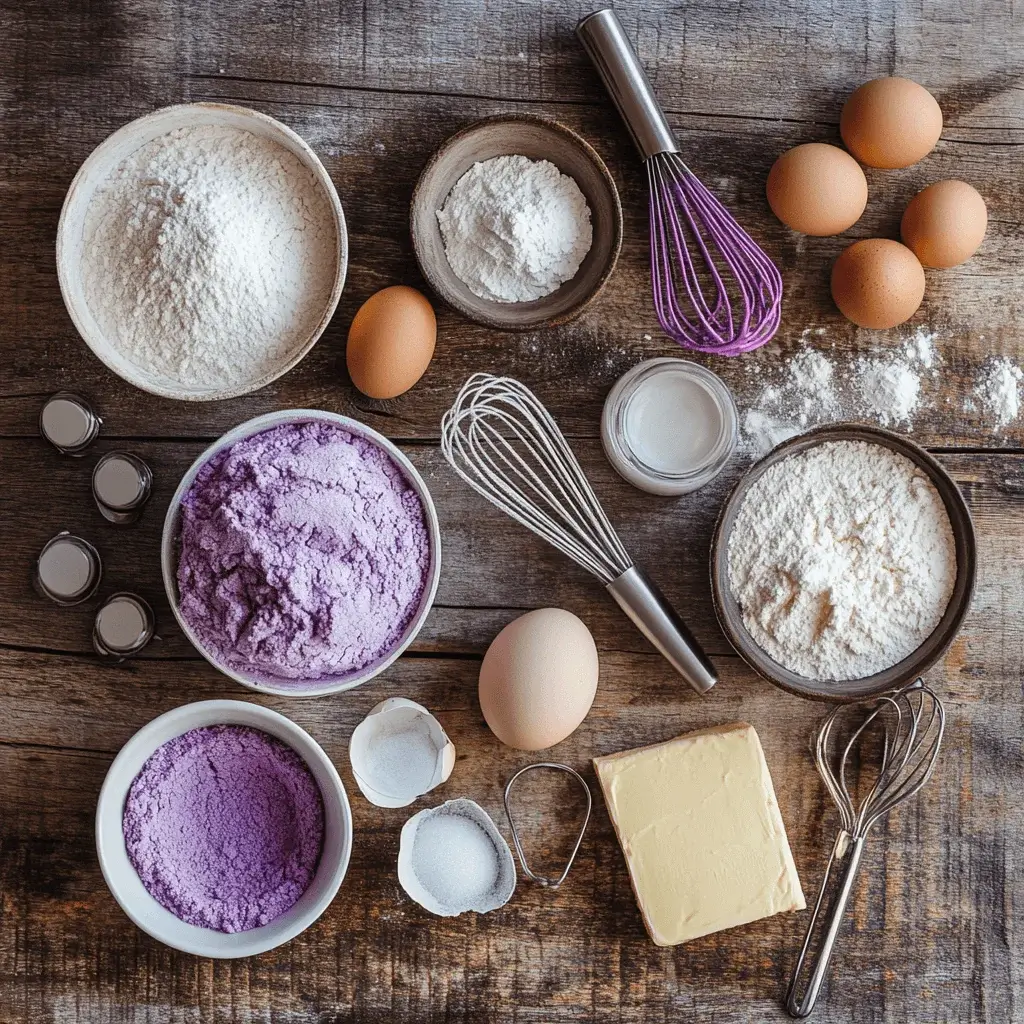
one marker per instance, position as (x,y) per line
(218,770)
(959,561)
(201,251)
(301,553)
(517,222)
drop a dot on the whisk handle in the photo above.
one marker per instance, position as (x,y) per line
(843,864)
(607,45)
(645,604)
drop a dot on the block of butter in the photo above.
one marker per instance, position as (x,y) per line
(701,831)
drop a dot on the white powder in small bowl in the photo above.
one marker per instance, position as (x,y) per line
(515,229)
(842,560)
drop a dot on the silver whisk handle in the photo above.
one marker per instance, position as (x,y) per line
(645,604)
(605,41)
(844,864)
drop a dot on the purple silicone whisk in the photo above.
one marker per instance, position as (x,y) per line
(715,290)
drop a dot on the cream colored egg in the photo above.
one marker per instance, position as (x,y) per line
(538,679)
(391,341)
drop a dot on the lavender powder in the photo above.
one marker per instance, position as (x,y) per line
(225,826)
(304,553)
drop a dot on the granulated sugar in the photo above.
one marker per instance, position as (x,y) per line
(997,391)
(842,560)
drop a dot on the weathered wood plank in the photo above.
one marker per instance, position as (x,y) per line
(975,309)
(479,590)
(387,956)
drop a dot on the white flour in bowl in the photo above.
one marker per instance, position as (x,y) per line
(842,560)
(209,256)
(515,229)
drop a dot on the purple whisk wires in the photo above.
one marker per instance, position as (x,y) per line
(715,290)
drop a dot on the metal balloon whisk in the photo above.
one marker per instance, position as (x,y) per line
(908,724)
(502,441)
(715,290)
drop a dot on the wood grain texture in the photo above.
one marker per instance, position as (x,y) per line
(375,87)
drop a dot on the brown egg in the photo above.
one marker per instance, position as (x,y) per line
(538,679)
(817,189)
(877,283)
(391,341)
(890,122)
(945,223)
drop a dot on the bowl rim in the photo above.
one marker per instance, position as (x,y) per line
(935,644)
(257,425)
(439,286)
(142,908)
(99,156)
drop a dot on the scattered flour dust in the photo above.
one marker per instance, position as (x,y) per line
(210,255)
(998,393)
(889,390)
(842,560)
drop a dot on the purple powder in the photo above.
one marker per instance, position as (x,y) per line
(225,826)
(304,553)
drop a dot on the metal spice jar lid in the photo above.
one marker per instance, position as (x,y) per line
(68,569)
(68,423)
(123,626)
(121,483)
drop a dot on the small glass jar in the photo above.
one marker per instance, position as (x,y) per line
(669,426)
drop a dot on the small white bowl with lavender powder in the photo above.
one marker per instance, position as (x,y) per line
(223,829)
(301,553)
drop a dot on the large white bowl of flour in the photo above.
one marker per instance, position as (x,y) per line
(201,251)
(843,563)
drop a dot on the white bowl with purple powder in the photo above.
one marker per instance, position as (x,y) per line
(301,553)
(223,829)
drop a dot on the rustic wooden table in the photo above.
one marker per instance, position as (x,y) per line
(375,88)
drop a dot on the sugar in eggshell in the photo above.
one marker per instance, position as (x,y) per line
(945,223)
(877,283)
(399,752)
(817,189)
(391,342)
(452,859)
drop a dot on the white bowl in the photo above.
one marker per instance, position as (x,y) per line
(123,880)
(172,530)
(98,166)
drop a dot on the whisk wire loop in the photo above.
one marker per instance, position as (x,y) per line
(913,722)
(502,441)
(733,291)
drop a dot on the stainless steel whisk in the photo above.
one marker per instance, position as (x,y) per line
(912,721)
(502,441)
(715,290)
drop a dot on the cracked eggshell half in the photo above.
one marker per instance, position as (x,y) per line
(399,752)
(452,859)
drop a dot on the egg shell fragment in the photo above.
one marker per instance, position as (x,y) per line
(399,752)
(454,857)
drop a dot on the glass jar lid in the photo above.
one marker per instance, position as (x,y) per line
(669,426)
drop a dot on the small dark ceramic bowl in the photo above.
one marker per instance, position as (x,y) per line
(731,618)
(539,139)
